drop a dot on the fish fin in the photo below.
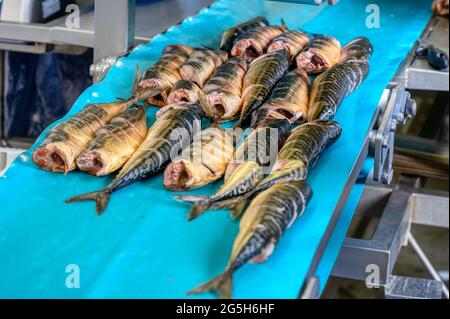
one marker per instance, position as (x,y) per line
(201,204)
(238,209)
(101,198)
(203,101)
(137,78)
(197,210)
(207,47)
(221,284)
(216,124)
(283,24)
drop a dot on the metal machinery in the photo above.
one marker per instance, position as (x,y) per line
(405,202)
(397,206)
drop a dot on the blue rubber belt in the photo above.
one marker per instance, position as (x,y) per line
(143,246)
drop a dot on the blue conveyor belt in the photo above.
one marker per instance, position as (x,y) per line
(143,246)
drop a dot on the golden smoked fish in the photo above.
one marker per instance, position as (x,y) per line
(331,87)
(323,52)
(184,91)
(254,42)
(67,140)
(251,158)
(262,75)
(223,91)
(203,162)
(293,41)
(300,152)
(231,34)
(289,99)
(171,130)
(201,65)
(264,222)
(158,80)
(115,143)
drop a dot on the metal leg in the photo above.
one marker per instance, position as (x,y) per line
(383,249)
(114,27)
(405,205)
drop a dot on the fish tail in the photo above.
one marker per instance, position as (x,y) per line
(197,210)
(221,285)
(101,198)
(238,209)
(201,204)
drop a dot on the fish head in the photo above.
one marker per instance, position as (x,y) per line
(357,49)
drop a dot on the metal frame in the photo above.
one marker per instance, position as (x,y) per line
(119,36)
(405,205)
(418,74)
(396,108)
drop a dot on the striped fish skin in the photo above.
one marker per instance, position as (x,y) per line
(255,42)
(154,153)
(300,152)
(245,170)
(115,143)
(201,65)
(203,162)
(264,222)
(158,80)
(67,140)
(289,99)
(358,49)
(223,91)
(331,87)
(230,35)
(323,52)
(262,75)
(184,91)
(293,41)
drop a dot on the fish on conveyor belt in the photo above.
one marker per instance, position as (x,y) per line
(115,143)
(165,136)
(201,65)
(323,52)
(231,34)
(67,140)
(331,87)
(293,41)
(266,219)
(262,75)
(159,79)
(254,42)
(223,91)
(358,49)
(300,153)
(245,170)
(289,99)
(203,162)
(184,91)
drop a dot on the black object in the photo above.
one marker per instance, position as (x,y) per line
(41,89)
(437,58)
(53,9)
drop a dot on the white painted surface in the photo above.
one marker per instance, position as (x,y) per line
(7,156)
